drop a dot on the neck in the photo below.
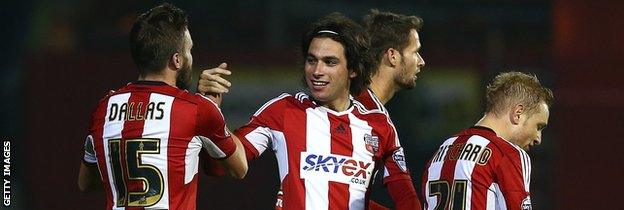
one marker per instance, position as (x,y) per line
(383,85)
(340,104)
(163,76)
(497,124)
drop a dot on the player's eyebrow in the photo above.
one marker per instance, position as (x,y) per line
(324,58)
(331,58)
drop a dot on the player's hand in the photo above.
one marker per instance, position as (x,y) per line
(212,84)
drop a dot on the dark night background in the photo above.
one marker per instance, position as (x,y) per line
(62,56)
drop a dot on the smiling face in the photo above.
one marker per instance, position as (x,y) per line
(411,62)
(326,72)
(529,132)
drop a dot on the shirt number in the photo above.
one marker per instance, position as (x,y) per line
(137,184)
(456,194)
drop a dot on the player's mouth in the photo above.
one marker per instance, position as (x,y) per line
(416,74)
(316,84)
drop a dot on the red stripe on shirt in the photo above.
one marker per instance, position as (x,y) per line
(182,125)
(293,186)
(133,129)
(341,144)
(97,130)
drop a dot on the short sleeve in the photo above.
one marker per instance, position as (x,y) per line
(89,151)
(257,134)
(212,130)
(395,165)
(512,176)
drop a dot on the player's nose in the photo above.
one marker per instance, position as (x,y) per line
(421,61)
(318,71)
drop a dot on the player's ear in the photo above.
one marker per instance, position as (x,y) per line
(175,61)
(515,113)
(352,74)
(393,56)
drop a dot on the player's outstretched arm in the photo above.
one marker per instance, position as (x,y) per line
(88,178)
(236,164)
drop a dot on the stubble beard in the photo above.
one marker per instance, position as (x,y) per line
(184,77)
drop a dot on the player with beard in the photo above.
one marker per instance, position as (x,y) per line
(146,137)
(395,47)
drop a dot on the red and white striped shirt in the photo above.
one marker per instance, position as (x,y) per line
(478,170)
(326,158)
(146,139)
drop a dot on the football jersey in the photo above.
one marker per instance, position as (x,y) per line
(370,101)
(477,169)
(325,158)
(146,138)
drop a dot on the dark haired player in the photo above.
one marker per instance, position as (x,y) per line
(146,137)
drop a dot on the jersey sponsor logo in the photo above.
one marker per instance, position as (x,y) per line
(336,168)
(399,158)
(372,143)
(526,204)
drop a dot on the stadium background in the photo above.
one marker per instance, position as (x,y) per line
(62,56)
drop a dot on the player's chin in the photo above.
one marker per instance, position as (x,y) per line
(409,84)
(318,95)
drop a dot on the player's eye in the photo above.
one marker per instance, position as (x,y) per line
(332,62)
(311,60)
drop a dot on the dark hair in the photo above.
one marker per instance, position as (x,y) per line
(156,35)
(354,40)
(389,30)
(510,88)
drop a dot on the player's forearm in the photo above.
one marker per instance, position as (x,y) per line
(88,178)
(403,194)
(237,162)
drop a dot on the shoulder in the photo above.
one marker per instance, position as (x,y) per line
(502,150)
(204,101)
(505,147)
(111,93)
(286,101)
(375,117)
(367,100)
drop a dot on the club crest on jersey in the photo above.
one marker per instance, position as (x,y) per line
(526,204)
(336,168)
(372,143)
(399,159)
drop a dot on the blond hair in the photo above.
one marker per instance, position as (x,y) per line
(511,88)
